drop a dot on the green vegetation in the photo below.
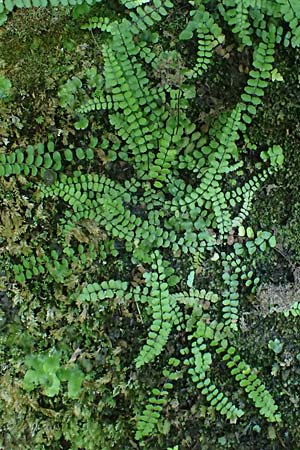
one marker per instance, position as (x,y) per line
(136,234)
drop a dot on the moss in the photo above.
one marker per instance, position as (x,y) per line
(278,205)
(42,49)
(30,41)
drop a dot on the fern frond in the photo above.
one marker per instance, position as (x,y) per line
(130,4)
(9,5)
(209,36)
(162,305)
(147,421)
(144,17)
(255,389)
(38,159)
(199,367)
(94,292)
(263,59)
(290,10)
(236,14)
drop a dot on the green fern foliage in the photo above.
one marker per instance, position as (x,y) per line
(157,191)
(41,159)
(54,266)
(95,292)
(200,365)
(253,386)
(199,368)
(290,10)
(147,16)
(159,211)
(163,310)
(147,421)
(101,23)
(131,4)
(236,14)
(209,36)
(8,5)
(293,311)
(263,60)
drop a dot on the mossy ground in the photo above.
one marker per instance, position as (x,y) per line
(40,50)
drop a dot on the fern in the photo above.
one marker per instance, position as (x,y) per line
(253,386)
(294,310)
(10,4)
(102,23)
(263,59)
(56,267)
(147,16)
(199,367)
(209,36)
(236,14)
(163,307)
(147,421)
(131,4)
(188,196)
(40,160)
(105,290)
(290,10)
(200,364)
(158,153)
(6,6)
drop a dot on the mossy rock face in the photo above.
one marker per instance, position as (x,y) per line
(27,38)
(42,48)
(278,206)
(128,245)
